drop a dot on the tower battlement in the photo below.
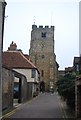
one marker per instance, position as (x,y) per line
(41,27)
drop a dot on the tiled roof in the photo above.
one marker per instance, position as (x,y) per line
(16,59)
(27,56)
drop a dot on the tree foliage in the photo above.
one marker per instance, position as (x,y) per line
(66,88)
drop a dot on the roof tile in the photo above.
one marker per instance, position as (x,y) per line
(16,59)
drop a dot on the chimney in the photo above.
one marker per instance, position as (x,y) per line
(13,46)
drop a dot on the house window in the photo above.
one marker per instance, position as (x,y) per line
(33,74)
(77,67)
(43,34)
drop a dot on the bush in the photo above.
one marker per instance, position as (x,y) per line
(66,89)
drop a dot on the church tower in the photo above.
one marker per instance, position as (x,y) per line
(42,54)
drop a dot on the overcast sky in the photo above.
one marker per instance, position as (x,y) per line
(64,15)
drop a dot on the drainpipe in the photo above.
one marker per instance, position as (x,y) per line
(2,16)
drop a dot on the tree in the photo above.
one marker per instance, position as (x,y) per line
(66,88)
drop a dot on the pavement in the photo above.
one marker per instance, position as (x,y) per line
(45,105)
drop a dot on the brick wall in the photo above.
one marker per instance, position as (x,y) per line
(8,78)
(7,88)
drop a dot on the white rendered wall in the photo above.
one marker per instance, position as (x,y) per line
(27,73)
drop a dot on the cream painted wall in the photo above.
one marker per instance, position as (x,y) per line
(16,79)
(27,73)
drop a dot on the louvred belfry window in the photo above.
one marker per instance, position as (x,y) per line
(43,34)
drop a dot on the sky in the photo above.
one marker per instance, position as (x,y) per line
(20,15)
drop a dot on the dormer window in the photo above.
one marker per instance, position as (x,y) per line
(43,34)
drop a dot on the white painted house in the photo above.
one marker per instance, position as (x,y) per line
(16,60)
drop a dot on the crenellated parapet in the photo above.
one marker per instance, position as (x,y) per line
(43,27)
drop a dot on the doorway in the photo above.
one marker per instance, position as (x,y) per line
(42,86)
(17,91)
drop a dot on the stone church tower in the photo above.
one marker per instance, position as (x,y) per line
(42,54)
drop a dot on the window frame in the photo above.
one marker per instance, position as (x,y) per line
(33,73)
(43,34)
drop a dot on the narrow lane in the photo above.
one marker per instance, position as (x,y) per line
(46,105)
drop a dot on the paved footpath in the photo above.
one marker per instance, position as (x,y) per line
(46,105)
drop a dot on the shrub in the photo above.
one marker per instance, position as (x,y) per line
(66,89)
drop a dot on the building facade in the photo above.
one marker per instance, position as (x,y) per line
(13,58)
(42,54)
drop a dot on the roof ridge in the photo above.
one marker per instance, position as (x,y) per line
(11,51)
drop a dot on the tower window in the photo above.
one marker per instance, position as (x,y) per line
(43,56)
(42,73)
(43,34)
